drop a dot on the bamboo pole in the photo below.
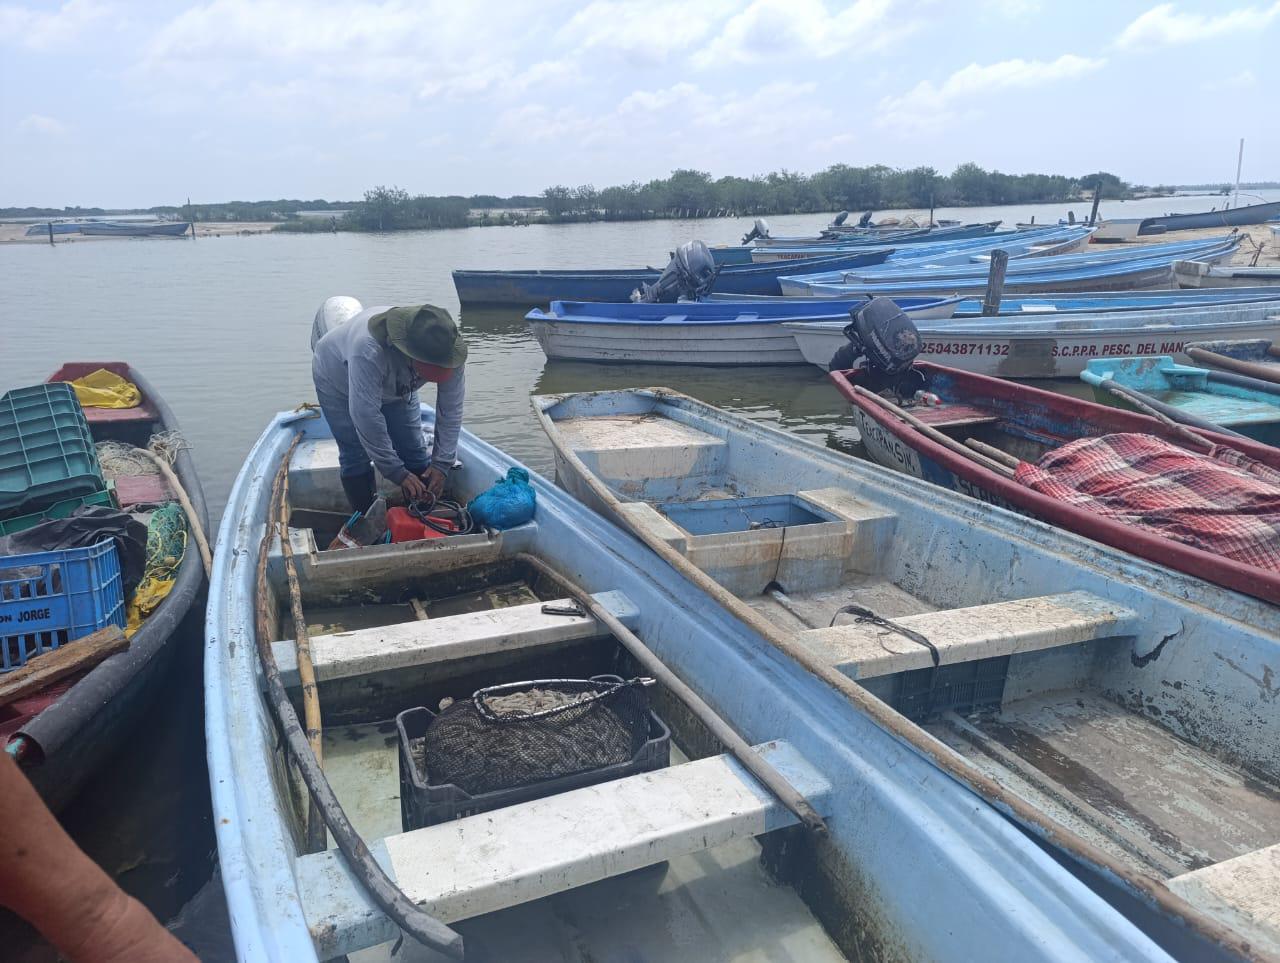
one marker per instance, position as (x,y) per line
(302,645)
(419,925)
(933,433)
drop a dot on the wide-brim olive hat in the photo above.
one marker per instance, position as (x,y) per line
(423,332)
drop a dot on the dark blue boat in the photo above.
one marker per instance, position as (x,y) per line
(528,289)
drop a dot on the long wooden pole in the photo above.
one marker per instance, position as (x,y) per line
(751,760)
(197,530)
(1239,169)
(1263,372)
(302,645)
(933,433)
(426,929)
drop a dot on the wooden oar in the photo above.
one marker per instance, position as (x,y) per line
(1263,372)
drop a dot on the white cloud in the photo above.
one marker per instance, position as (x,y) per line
(1241,81)
(734,121)
(46,29)
(1015,9)
(959,96)
(1163,24)
(39,124)
(643,32)
(768,30)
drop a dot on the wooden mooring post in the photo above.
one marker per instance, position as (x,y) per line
(1097,199)
(51,232)
(995,283)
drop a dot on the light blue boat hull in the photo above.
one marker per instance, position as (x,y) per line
(1214,397)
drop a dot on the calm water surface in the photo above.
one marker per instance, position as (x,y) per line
(221,327)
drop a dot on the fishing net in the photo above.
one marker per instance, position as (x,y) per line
(526,732)
(166,544)
(120,460)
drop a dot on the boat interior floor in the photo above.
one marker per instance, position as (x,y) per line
(1222,409)
(1119,779)
(672,863)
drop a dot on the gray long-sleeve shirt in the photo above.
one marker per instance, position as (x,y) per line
(352,366)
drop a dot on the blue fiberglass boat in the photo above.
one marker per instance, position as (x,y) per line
(1201,397)
(1056,303)
(529,288)
(1103,273)
(905,815)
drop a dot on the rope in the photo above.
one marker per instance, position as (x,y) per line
(865,615)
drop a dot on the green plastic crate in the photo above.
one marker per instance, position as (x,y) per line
(47,453)
(60,509)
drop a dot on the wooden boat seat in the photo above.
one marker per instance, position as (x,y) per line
(954,415)
(411,644)
(864,650)
(1243,893)
(549,845)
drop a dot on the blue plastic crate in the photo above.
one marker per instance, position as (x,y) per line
(50,598)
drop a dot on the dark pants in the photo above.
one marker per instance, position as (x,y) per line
(405,439)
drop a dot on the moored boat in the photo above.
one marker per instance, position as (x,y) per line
(62,734)
(1060,346)
(533,288)
(1198,274)
(1200,397)
(496,611)
(1148,266)
(701,332)
(1027,423)
(135,229)
(879,583)
(1227,217)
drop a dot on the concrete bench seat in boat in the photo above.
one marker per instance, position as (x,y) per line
(343,655)
(642,456)
(863,650)
(553,844)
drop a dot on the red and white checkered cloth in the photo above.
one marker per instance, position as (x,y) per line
(1223,502)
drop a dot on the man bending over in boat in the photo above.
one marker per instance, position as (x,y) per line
(367,373)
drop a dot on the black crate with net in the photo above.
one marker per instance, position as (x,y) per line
(512,743)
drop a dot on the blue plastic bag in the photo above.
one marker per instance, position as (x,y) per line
(507,503)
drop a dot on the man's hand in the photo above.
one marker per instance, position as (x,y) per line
(413,488)
(434,479)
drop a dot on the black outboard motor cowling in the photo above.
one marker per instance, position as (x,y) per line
(689,276)
(883,335)
(759,229)
(865,219)
(841,218)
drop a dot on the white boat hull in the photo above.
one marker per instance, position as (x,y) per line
(1199,274)
(1030,351)
(705,344)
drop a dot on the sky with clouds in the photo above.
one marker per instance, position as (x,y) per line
(133,103)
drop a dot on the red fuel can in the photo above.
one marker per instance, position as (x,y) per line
(406,528)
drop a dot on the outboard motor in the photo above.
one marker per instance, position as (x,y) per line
(887,341)
(759,229)
(841,218)
(865,219)
(688,277)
